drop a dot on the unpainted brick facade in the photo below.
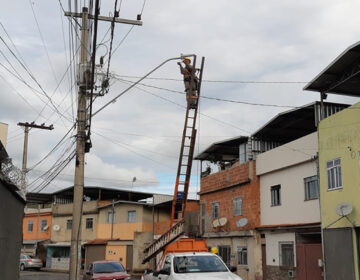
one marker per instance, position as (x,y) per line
(238,181)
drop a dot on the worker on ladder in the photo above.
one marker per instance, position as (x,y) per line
(187,72)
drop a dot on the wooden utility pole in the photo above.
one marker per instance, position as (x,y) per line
(26,137)
(85,89)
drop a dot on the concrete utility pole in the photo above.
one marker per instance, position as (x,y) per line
(26,137)
(75,250)
(85,85)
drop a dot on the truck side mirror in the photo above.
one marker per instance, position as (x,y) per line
(232,268)
(165,271)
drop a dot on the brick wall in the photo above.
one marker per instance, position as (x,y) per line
(249,192)
(228,177)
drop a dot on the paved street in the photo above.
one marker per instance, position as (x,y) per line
(42,275)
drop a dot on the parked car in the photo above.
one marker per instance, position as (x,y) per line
(27,262)
(101,270)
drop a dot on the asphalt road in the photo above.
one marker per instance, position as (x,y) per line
(42,275)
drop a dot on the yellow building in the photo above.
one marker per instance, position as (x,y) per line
(339,169)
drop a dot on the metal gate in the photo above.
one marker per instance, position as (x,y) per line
(307,261)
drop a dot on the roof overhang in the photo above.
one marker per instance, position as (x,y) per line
(226,150)
(342,76)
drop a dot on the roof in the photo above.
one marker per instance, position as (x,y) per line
(289,226)
(342,76)
(225,150)
(92,192)
(295,123)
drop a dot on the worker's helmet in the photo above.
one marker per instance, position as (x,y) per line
(187,58)
(214,250)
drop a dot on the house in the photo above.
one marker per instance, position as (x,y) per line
(339,165)
(116,224)
(339,147)
(11,215)
(290,210)
(230,206)
(247,206)
(36,230)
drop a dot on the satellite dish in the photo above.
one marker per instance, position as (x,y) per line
(215,223)
(343,209)
(222,221)
(219,222)
(46,227)
(56,227)
(242,222)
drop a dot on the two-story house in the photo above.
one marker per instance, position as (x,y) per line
(36,229)
(339,145)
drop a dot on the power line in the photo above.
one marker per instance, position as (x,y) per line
(212,98)
(182,106)
(131,150)
(220,81)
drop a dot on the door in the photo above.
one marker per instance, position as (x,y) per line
(224,253)
(263,256)
(129,257)
(307,261)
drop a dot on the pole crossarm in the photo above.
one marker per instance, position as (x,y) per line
(33,125)
(102,18)
(137,82)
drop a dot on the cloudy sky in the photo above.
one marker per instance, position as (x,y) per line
(283,42)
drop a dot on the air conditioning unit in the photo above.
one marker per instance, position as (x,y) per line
(56,227)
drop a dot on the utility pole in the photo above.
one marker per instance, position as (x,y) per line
(26,137)
(86,85)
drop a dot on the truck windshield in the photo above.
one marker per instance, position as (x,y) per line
(108,267)
(194,264)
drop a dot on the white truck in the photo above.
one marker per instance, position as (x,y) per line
(192,266)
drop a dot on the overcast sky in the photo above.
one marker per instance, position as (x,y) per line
(139,135)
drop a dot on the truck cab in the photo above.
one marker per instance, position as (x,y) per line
(192,265)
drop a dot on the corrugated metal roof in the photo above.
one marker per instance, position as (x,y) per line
(342,76)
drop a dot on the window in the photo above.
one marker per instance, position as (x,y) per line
(286,254)
(132,216)
(224,253)
(334,174)
(89,223)
(311,188)
(110,217)
(44,225)
(275,195)
(167,263)
(237,206)
(68,224)
(215,210)
(30,226)
(242,153)
(202,210)
(242,255)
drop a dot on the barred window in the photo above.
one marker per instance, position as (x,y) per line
(242,255)
(89,223)
(287,254)
(275,195)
